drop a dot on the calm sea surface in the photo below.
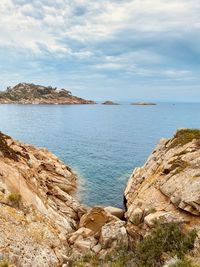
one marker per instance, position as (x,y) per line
(103,144)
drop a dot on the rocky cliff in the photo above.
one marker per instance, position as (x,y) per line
(37,208)
(26,93)
(167,187)
(42,223)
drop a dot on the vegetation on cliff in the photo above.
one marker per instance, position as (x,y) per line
(162,242)
(184,136)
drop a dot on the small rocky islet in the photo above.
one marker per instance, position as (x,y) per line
(143,104)
(29,93)
(43,224)
(109,102)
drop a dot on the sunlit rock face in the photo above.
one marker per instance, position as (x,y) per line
(26,93)
(167,187)
(42,224)
(33,228)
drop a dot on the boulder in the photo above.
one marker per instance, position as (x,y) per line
(113,235)
(82,242)
(119,213)
(95,218)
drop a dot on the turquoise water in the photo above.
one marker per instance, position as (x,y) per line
(103,144)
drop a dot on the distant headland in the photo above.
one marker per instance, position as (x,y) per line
(29,93)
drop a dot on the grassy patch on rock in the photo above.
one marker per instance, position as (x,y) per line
(178,165)
(14,198)
(120,257)
(184,136)
(5,264)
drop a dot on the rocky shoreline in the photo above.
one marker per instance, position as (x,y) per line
(42,224)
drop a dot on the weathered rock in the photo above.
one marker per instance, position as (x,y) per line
(33,232)
(96,218)
(137,216)
(168,185)
(26,242)
(113,235)
(82,242)
(119,213)
(81,232)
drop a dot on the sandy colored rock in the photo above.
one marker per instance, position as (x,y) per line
(113,235)
(168,185)
(119,213)
(33,231)
(96,218)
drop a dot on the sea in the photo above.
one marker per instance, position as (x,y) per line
(101,143)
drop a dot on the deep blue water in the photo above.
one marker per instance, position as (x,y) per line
(103,144)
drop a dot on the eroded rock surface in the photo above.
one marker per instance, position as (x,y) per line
(46,225)
(167,187)
(37,226)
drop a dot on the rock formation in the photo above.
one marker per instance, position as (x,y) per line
(33,229)
(167,187)
(42,224)
(26,93)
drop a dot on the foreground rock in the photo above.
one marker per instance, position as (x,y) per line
(26,93)
(33,226)
(41,223)
(167,187)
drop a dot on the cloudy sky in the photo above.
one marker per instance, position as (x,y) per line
(122,50)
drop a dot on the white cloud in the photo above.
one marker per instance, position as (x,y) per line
(47,23)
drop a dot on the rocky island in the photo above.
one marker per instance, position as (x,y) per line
(143,104)
(43,224)
(26,93)
(108,102)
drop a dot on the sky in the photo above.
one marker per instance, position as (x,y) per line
(104,49)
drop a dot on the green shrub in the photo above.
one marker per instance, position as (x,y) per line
(14,198)
(164,238)
(120,257)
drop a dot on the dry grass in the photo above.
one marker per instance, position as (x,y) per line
(184,136)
